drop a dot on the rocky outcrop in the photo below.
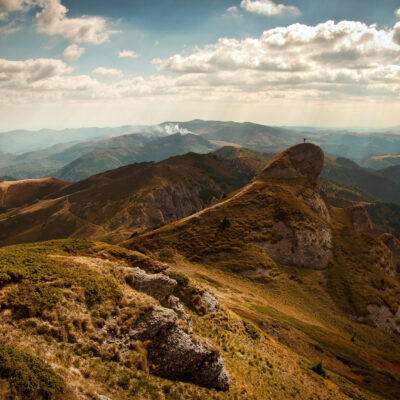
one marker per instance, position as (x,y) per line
(309,246)
(176,354)
(303,240)
(394,245)
(360,219)
(384,319)
(304,160)
(173,351)
(158,286)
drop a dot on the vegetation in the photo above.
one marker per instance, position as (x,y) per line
(28,376)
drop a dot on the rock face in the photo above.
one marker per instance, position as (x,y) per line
(394,245)
(174,352)
(384,319)
(360,218)
(302,160)
(306,241)
(308,246)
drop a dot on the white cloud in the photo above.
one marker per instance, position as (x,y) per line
(53,20)
(127,54)
(10,28)
(232,12)
(22,74)
(73,52)
(16,5)
(107,71)
(267,7)
(397,12)
(346,61)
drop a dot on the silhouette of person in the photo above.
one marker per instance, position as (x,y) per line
(305,140)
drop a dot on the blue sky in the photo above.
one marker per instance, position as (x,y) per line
(297,62)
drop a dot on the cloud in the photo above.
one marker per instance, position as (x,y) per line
(267,7)
(232,12)
(73,52)
(16,5)
(53,20)
(10,28)
(397,12)
(396,34)
(127,54)
(107,71)
(20,74)
(345,61)
(3,16)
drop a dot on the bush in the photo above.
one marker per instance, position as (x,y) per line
(29,300)
(182,280)
(28,376)
(224,224)
(251,330)
(319,369)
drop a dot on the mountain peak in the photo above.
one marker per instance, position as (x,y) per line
(301,160)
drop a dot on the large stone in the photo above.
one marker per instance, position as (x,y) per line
(360,219)
(303,160)
(174,353)
(394,245)
(158,286)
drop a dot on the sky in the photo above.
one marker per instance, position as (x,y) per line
(74,63)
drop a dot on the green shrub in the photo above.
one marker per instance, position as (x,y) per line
(98,289)
(251,330)
(319,369)
(29,300)
(182,279)
(28,376)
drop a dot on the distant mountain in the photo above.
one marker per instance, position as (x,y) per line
(380,162)
(155,150)
(348,172)
(392,173)
(252,136)
(21,141)
(117,204)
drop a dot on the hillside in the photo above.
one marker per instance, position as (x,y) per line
(348,172)
(15,194)
(303,272)
(119,203)
(89,321)
(391,173)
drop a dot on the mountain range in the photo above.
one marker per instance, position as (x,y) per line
(226,275)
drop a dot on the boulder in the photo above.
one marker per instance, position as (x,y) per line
(158,286)
(174,353)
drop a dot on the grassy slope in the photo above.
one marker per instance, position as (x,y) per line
(308,310)
(64,330)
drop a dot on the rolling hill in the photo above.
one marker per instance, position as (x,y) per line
(117,204)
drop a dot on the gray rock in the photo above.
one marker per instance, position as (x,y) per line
(360,218)
(176,354)
(394,245)
(173,303)
(210,302)
(158,286)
